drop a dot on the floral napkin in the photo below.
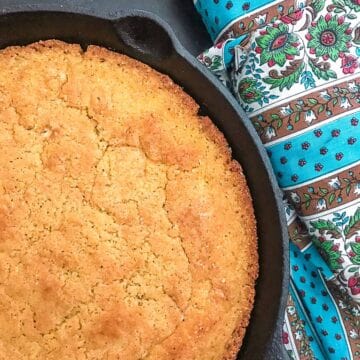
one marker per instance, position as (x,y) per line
(293,66)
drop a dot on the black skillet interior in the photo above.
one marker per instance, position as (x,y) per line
(147,38)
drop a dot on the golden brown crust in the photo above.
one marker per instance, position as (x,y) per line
(126,229)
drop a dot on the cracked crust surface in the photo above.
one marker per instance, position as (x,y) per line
(126,229)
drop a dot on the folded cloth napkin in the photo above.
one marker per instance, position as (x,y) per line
(293,66)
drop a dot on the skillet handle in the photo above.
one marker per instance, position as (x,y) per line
(146,38)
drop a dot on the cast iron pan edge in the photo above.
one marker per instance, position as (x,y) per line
(149,39)
(275,350)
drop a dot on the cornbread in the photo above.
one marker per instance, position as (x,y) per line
(126,229)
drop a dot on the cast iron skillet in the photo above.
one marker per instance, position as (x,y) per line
(146,37)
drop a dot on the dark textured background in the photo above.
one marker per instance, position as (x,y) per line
(180,14)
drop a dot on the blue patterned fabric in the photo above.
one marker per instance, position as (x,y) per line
(293,67)
(316,152)
(308,287)
(229,50)
(219,13)
(315,346)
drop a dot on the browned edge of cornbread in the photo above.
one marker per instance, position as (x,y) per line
(211,131)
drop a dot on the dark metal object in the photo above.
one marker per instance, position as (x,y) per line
(148,38)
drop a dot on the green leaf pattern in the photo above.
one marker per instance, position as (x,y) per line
(288,54)
(330,196)
(336,236)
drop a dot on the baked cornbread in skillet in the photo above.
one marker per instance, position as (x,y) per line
(126,229)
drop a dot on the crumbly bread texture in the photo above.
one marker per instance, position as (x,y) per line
(126,229)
